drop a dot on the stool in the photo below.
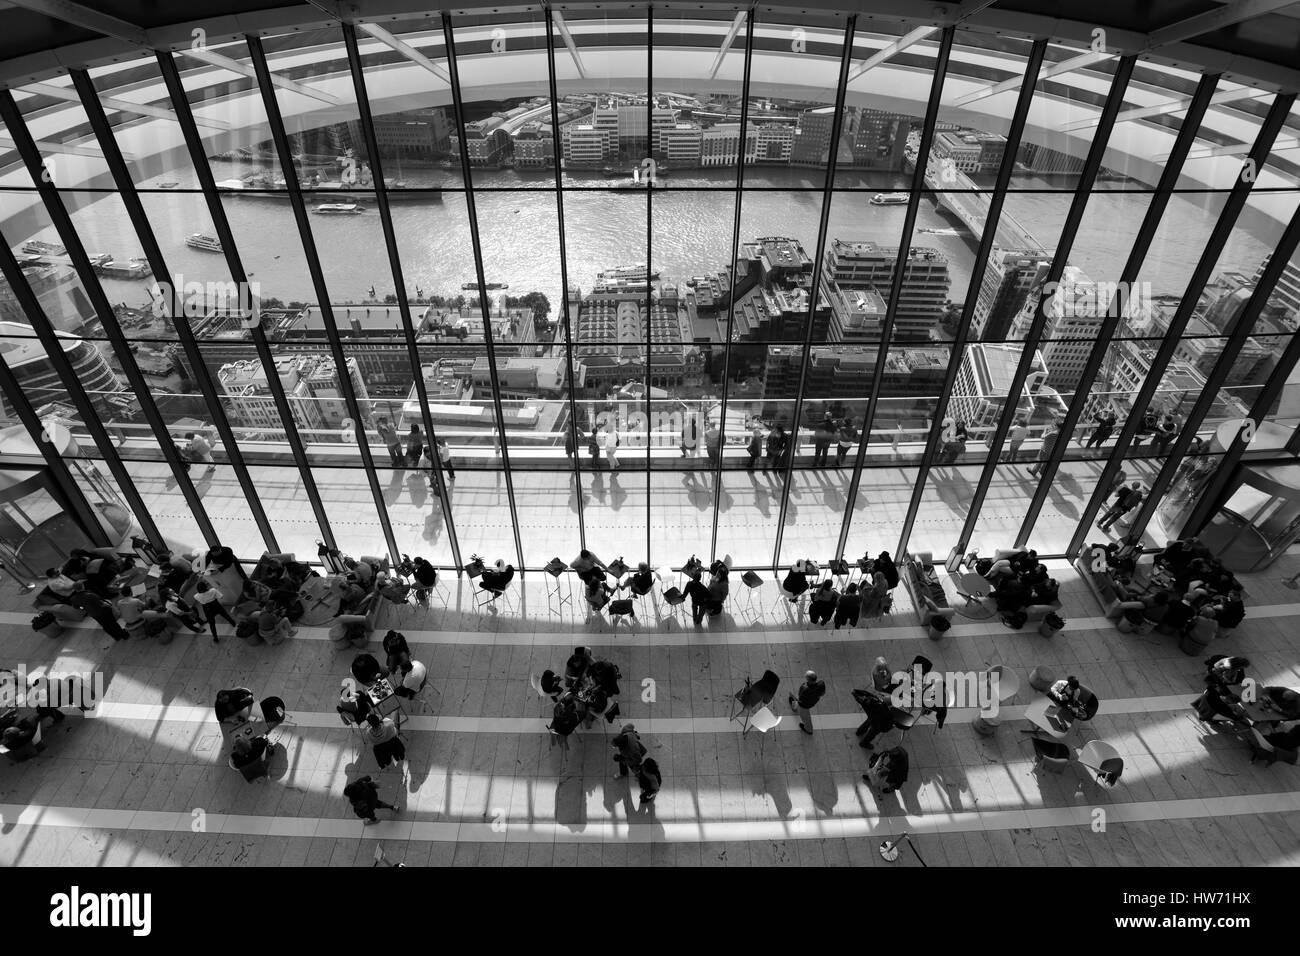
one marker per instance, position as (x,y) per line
(554,592)
(1042,678)
(986,726)
(751,581)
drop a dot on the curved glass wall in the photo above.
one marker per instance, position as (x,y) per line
(653,283)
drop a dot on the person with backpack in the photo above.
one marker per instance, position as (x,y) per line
(364,797)
(805,699)
(628,750)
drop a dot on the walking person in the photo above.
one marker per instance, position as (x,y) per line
(382,734)
(848,608)
(208,599)
(200,449)
(628,750)
(392,441)
(805,699)
(649,779)
(1126,499)
(845,438)
(444,456)
(1015,438)
(1050,436)
(364,797)
(414,446)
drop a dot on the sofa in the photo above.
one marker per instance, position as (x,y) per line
(924,587)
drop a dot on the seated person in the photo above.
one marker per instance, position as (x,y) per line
(366,669)
(180,610)
(1011,596)
(101,573)
(564,718)
(1066,693)
(576,667)
(130,609)
(888,770)
(1179,616)
(234,706)
(351,595)
(1024,560)
(59,584)
(498,578)
(1285,739)
(588,566)
(597,592)
(552,685)
(20,738)
(412,676)
(643,579)
(363,571)
(1229,610)
(1156,606)
(75,566)
(245,752)
(873,597)
(353,706)
(1036,576)
(221,558)
(605,675)
(272,626)
(796,581)
(1045,592)
(424,573)
(823,602)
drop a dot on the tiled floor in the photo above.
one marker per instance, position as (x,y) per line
(622,511)
(144,782)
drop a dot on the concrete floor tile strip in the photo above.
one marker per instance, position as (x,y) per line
(645,829)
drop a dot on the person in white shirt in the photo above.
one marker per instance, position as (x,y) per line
(59,583)
(1015,438)
(413,675)
(208,599)
(200,449)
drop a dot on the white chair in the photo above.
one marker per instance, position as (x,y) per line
(535,682)
(764,720)
(1104,761)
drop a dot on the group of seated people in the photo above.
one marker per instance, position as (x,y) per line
(1190,590)
(271,603)
(1225,697)
(1020,581)
(587,689)
(825,602)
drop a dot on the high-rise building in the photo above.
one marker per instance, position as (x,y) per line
(984,381)
(58,291)
(310,384)
(1286,294)
(40,382)
(880,139)
(1007,279)
(1071,328)
(924,292)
